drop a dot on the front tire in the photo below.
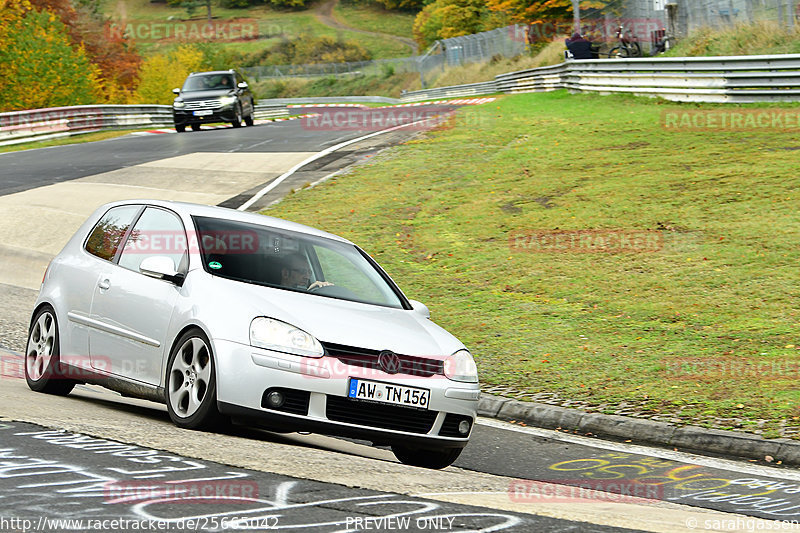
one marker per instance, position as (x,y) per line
(195,126)
(180,128)
(42,355)
(191,385)
(426,458)
(249,118)
(237,119)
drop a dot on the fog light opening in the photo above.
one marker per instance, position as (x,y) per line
(275,399)
(463,427)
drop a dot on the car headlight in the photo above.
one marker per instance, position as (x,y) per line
(178,104)
(461,367)
(227,100)
(282,337)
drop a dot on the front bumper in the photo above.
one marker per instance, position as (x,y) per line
(318,388)
(222,114)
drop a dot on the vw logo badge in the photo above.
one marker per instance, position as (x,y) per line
(389,362)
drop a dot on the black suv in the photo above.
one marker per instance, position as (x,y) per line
(218,96)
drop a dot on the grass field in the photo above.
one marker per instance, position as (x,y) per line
(75,139)
(701,326)
(373,17)
(148,19)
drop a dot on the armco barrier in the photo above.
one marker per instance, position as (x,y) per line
(456,91)
(264,111)
(723,79)
(42,124)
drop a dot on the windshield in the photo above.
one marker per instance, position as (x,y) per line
(208,82)
(292,261)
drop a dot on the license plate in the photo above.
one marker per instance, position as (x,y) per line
(203,113)
(376,391)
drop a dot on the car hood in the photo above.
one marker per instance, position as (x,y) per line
(205,95)
(344,322)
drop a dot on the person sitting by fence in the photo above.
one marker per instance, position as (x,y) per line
(580,47)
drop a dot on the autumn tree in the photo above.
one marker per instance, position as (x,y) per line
(161,73)
(443,19)
(39,65)
(532,11)
(114,55)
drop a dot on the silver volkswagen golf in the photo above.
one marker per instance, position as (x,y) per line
(225,315)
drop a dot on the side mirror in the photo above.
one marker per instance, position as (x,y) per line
(243,85)
(161,267)
(176,91)
(420,308)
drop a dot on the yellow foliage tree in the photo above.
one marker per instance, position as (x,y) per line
(39,66)
(163,72)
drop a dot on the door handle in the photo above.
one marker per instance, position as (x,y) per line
(104,284)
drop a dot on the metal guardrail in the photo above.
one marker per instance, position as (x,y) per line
(733,79)
(456,91)
(42,124)
(723,79)
(272,110)
(333,100)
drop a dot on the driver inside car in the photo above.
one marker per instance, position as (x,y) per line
(296,274)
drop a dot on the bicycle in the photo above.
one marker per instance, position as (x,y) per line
(627,47)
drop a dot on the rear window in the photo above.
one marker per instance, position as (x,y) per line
(107,234)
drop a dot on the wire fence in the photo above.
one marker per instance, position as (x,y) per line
(646,20)
(506,42)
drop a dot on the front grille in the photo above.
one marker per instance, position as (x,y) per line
(409,364)
(295,402)
(393,417)
(203,104)
(450,425)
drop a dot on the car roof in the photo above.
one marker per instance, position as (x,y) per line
(189,209)
(231,71)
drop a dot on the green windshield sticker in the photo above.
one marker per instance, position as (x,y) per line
(214,265)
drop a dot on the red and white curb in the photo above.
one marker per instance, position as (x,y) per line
(220,126)
(461,101)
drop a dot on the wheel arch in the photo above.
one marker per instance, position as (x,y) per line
(185,329)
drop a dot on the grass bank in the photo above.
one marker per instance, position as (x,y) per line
(61,141)
(700,325)
(392,84)
(762,37)
(153,26)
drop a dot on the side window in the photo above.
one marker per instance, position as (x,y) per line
(107,234)
(157,233)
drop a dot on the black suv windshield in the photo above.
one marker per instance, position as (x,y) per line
(293,261)
(208,82)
